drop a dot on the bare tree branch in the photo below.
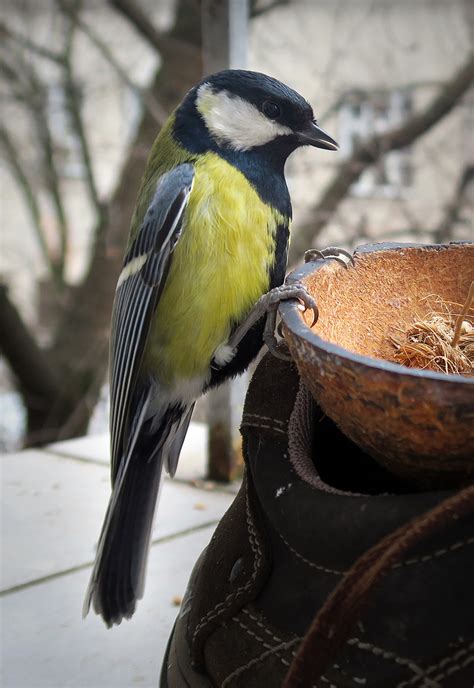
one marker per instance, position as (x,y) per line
(405,86)
(6,33)
(370,151)
(171,42)
(150,102)
(27,361)
(137,17)
(39,112)
(30,91)
(18,85)
(73,106)
(13,160)
(443,231)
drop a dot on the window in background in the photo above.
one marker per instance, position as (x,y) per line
(360,116)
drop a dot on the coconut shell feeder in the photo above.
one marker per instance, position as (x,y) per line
(416,421)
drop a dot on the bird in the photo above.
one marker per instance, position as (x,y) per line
(205,262)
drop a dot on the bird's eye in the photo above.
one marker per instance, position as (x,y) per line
(271,110)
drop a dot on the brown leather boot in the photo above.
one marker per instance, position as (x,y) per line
(318,529)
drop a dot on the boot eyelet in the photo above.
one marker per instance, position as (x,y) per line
(236,570)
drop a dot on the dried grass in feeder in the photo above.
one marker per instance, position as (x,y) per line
(440,342)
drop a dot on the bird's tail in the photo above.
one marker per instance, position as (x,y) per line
(118,576)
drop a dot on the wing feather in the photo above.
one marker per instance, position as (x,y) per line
(140,285)
(119,351)
(131,341)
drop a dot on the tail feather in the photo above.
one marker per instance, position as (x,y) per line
(172,456)
(118,576)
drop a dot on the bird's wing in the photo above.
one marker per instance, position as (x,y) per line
(139,287)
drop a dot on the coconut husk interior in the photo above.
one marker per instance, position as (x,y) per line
(366,307)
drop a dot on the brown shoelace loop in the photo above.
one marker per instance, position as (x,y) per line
(334,620)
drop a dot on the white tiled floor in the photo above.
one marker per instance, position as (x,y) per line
(52,507)
(47,644)
(95,449)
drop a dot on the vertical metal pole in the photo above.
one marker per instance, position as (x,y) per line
(224,32)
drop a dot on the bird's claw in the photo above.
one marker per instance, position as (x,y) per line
(341,255)
(267,306)
(277,348)
(274,346)
(294,290)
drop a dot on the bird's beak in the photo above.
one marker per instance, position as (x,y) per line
(313,135)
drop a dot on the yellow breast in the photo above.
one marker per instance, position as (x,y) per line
(219,269)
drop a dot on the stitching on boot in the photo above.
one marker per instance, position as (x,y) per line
(257,660)
(285,645)
(454,668)
(263,627)
(313,565)
(262,641)
(222,606)
(437,553)
(268,418)
(443,664)
(275,650)
(335,667)
(408,562)
(325,680)
(360,680)
(387,654)
(262,426)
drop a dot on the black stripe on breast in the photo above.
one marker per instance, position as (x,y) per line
(278,269)
(253,340)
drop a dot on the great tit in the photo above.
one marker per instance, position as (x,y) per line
(208,239)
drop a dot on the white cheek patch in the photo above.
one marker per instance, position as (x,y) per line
(236,122)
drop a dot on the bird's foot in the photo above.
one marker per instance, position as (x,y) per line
(295,290)
(342,256)
(298,291)
(276,347)
(268,305)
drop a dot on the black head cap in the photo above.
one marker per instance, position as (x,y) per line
(258,89)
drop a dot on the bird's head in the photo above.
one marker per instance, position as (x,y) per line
(242,111)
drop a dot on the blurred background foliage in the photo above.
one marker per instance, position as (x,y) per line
(86,85)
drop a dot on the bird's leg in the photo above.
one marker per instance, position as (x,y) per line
(268,305)
(339,254)
(269,336)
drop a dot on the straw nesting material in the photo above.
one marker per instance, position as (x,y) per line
(428,344)
(440,342)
